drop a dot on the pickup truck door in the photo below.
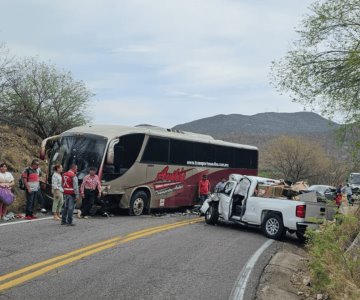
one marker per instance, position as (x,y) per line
(241,189)
(225,200)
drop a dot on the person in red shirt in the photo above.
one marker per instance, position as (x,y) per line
(204,189)
(90,189)
(71,195)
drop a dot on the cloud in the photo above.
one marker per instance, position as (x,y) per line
(189,95)
(123,110)
(160,60)
(134,49)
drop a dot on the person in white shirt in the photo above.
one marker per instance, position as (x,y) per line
(57,190)
(348,191)
(220,185)
(6,183)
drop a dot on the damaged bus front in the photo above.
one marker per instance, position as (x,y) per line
(84,149)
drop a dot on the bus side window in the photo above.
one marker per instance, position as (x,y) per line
(126,152)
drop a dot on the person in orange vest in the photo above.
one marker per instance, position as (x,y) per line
(71,195)
(204,189)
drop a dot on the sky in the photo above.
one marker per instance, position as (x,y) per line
(162,62)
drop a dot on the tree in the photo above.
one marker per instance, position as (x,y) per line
(295,159)
(323,68)
(5,61)
(40,97)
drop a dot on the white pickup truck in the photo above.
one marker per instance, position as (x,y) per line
(239,203)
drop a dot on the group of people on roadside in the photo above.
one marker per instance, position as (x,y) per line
(7,183)
(65,189)
(66,192)
(204,187)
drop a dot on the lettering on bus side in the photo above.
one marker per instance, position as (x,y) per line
(167,182)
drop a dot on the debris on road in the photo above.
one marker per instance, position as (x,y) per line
(188,212)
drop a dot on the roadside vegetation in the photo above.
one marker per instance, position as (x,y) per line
(335,257)
(39,96)
(322,72)
(299,159)
(18,148)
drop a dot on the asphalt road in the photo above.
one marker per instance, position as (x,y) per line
(186,261)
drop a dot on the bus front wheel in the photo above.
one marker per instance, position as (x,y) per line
(138,203)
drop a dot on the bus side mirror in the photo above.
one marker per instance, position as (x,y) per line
(42,153)
(110,152)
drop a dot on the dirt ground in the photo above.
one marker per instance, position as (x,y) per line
(18,147)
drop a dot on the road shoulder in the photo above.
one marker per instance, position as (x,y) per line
(280,275)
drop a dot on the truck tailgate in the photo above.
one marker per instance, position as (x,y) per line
(319,210)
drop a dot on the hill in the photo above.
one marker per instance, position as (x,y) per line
(299,123)
(261,128)
(18,148)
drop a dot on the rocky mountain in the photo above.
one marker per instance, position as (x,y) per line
(261,128)
(299,123)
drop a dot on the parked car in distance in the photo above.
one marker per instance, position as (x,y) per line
(323,192)
(354,182)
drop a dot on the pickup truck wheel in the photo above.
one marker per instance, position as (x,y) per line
(138,203)
(212,215)
(273,227)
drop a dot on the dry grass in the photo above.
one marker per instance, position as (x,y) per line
(334,270)
(18,148)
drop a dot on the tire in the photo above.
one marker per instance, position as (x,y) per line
(138,203)
(273,227)
(212,214)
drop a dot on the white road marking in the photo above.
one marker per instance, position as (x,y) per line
(26,221)
(239,288)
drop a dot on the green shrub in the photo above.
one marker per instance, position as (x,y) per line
(333,270)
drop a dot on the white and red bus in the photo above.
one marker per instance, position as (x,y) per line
(147,167)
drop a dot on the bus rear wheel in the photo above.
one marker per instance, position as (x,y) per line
(138,203)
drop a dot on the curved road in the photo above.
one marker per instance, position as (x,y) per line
(140,258)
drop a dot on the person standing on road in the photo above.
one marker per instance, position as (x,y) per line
(338,197)
(348,192)
(220,185)
(6,183)
(71,195)
(57,191)
(90,189)
(31,179)
(204,189)
(338,189)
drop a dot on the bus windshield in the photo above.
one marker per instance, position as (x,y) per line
(85,150)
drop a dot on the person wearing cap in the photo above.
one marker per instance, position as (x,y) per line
(203,189)
(31,179)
